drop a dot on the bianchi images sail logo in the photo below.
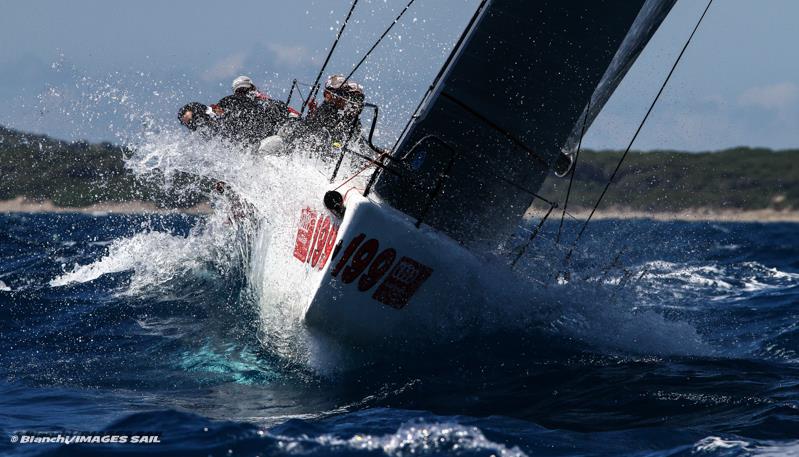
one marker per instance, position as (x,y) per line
(86,438)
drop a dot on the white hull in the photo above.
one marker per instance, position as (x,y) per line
(378,278)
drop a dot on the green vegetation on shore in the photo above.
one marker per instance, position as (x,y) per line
(733,179)
(79,174)
(74,174)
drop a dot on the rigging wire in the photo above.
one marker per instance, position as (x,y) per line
(365,56)
(574,171)
(365,167)
(299,91)
(441,72)
(315,88)
(637,131)
(533,234)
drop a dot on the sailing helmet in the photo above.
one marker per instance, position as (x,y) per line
(242,82)
(338,84)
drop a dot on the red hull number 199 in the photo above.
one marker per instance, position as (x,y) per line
(362,262)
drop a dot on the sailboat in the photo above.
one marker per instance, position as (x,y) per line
(397,256)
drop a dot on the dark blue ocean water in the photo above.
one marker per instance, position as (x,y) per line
(160,333)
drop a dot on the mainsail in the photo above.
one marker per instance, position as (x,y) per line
(508,106)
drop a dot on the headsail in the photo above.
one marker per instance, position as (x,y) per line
(507,105)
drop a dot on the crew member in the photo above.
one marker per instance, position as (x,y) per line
(249,115)
(198,117)
(339,113)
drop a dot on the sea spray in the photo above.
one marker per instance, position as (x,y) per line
(156,257)
(263,196)
(253,226)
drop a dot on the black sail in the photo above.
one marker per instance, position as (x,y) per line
(507,105)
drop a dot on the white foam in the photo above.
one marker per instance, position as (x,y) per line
(156,257)
(715,444)
(275,189)
(718,281)
(777,449)
(604,316)
(412,438)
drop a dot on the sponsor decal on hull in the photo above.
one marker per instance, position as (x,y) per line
(315,238)
(362,262)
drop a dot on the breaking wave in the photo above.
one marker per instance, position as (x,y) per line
(731,447)
(156,258)
(412,438)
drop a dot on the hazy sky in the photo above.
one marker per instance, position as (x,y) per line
(101,69)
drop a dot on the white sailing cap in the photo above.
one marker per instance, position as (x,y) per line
(242,81)
(341,84)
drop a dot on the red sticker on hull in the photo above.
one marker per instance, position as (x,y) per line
(403,281)
(328,248)
(363,262)
(305,234)
(315,239)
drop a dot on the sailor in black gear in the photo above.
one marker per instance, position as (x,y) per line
(338,117)
(198,117)
(250,116)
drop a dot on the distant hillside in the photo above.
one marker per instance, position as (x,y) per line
(739,178)
(80,174)
(72,174)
